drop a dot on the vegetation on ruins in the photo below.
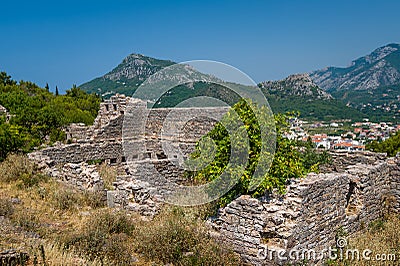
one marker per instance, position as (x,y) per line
(290,160)
(37,115)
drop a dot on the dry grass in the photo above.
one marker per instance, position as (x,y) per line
(382,238)
(178,237)
(105,234)
(108,174)
(74,228)
(55,255)
(6,208)
(18,169)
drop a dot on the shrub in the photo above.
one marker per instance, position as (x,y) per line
(20,169)
(104,237)
(267,147)
(26,219)
(174,237)
(65,199)
(94,199)
(14,167)
(111,222)
(116,249)
(94,162)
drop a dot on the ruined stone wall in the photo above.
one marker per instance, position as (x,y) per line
(312,212)
(82,152)
(107,125)
(354,190)
(126,130)
(307,218)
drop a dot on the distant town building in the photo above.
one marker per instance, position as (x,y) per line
(334,124)
(348,146)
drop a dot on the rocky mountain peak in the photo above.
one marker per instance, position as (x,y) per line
(296,85)
(377,54)
(136,66)
(379,68)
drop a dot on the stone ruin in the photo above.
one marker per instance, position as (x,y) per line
(354,190)
(129,135)
(314,210)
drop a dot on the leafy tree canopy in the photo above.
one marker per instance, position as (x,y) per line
(391,146)
(289,161)
(37,115)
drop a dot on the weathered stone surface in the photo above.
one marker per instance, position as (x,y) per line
(313,210)
(354,190)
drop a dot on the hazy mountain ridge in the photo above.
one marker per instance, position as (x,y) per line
(380,68)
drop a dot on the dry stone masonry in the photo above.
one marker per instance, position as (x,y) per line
(128,133)
(354,190)
(313,211)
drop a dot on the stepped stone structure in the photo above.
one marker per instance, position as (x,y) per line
(354,190)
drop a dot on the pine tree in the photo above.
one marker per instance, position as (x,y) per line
(47,87)
(56,91)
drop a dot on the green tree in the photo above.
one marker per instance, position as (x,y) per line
(11,138)
(6,79)
(391,146)
(288,162)
(38,115)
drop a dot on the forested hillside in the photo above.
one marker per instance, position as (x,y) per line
(36,115)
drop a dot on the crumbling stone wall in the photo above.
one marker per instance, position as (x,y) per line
(81,152)
(354,190)
(311,213)
(80,175)
(126,130)
(107,125)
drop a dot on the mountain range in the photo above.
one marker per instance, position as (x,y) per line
(380,68)
(368,87)
(370,84)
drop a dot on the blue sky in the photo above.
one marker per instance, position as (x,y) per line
(71,42)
